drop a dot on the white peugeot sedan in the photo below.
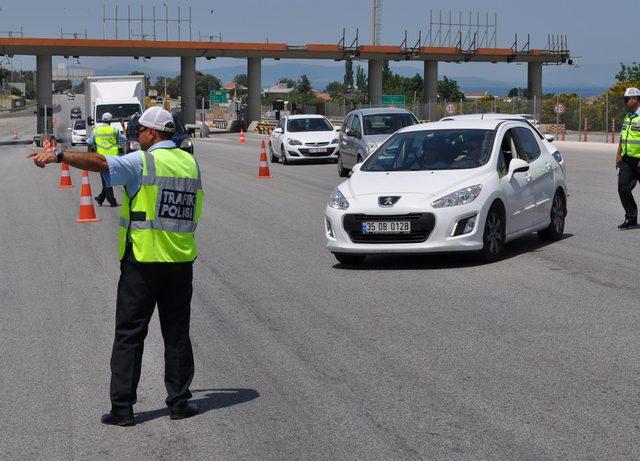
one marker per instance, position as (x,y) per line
(300,137)
(78,132)
(449,186)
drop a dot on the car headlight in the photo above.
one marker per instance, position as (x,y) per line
(186,144)
(338,201)
(294,142)
(335,141)
(371,148)
(459,197)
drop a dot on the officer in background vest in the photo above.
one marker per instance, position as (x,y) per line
(628,157)
(104,139)
(161,207)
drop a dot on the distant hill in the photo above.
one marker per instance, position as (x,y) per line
(588,80)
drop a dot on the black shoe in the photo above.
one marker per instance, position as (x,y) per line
(114,204)
(628,223)
(183,411)
(97,197)
(110,418)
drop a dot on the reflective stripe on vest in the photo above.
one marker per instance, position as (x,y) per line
(160,220)
(106,140)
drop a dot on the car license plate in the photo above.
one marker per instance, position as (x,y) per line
(317,150)
(386,227)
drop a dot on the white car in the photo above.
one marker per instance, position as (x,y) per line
(303,137)
(449,186)
(78,132)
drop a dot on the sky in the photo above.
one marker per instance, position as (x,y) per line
(600,35)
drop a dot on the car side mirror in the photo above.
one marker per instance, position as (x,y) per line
(549,137)
(349,132)
(69,129)
(517,165)
(278,130)
(356,167)
(90,121)
(338,128)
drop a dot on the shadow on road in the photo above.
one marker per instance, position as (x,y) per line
(436,261)
(212,400)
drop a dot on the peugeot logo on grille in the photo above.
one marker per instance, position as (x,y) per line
(387,201)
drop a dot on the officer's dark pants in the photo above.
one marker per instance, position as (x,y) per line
(628,176)
(107,192)
(141,287)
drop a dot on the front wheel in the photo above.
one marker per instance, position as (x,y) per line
(555,230)
(274,159)
(349,259)
(494,236)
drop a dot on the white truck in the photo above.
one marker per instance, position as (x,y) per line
(122,97)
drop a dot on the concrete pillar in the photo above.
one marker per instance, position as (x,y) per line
(43,91)
(188,88)
(375,82)
(534,86)
(254,97)
(430,92)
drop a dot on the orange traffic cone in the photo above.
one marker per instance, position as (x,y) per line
(65,177)
(47,144)
(15,134)
(87,211)
(242,138)
(263,169)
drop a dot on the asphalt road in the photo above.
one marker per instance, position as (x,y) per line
(298,357)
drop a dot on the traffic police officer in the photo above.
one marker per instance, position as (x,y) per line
(105,140)
(628,157)
(161,207)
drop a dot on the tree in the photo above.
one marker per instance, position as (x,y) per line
(204,84)
(518,92)
(79,88)
(241,80)
(448,89)
(15,91)
(147,80)
(303,85)
(629,73)
(60,86)
(335,89)
(361,79)
(348,73)
(290,83)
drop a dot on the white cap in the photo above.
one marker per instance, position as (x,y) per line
(632,93)
(158,118)
(107,117)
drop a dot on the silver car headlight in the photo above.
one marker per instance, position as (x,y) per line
(459,197)
(294,142)
(338,201)
(335,141)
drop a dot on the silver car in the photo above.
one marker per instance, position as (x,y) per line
(363,130)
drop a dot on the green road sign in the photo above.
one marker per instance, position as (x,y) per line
(396,100)
(218,96)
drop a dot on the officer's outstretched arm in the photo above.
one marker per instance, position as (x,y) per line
(85,161)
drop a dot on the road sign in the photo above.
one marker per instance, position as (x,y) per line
(394,100)
(559,108)
(218,96)
(450,109)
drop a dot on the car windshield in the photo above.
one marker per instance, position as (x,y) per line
(308,124)
(386,123)
(118,111)
(80,125)
(75,109)
(454,149)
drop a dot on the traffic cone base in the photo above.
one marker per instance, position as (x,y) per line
(87,211)
(65,177)
(263,168)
